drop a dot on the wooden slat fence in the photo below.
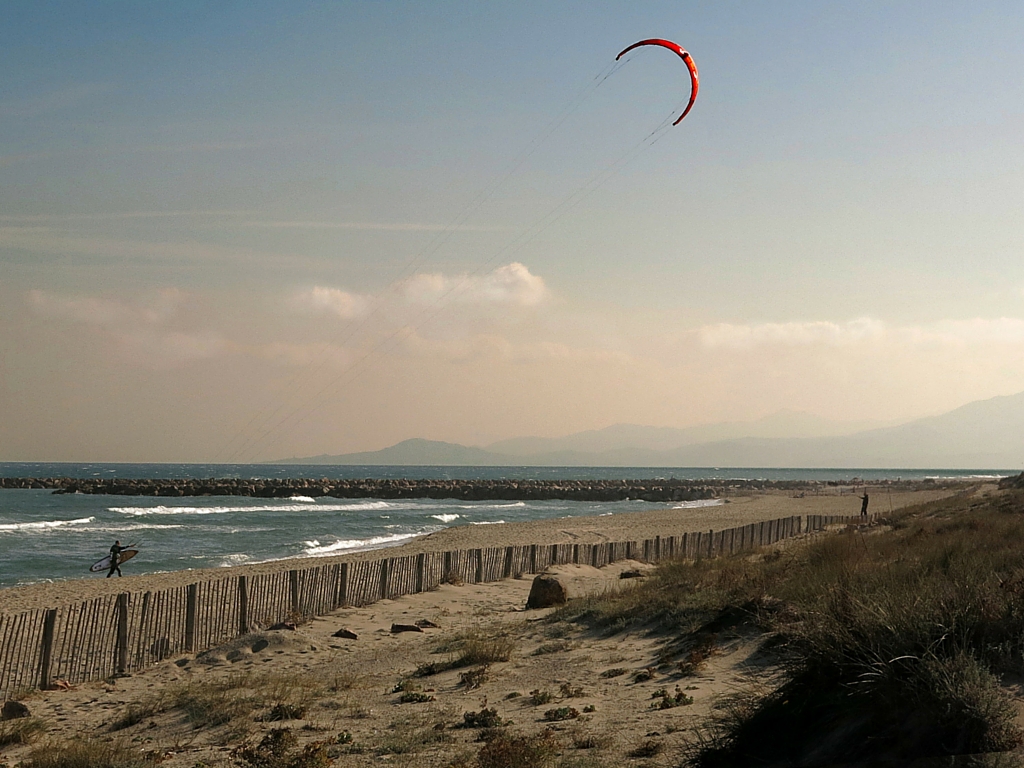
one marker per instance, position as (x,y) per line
(121,634)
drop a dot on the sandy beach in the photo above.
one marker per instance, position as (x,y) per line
(366,698)
(635,526)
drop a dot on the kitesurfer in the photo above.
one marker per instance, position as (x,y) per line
(115,559)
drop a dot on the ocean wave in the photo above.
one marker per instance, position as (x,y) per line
(509,505)
(165,510)
(314,548)
(44,525)
(236,559)
(307,499)
(489,522)
(697,504)
(132,527)
(446,518)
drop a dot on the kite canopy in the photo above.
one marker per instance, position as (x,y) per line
(694,82)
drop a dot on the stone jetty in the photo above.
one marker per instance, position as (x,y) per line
(470,490)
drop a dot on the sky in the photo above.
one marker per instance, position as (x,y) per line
(235,232)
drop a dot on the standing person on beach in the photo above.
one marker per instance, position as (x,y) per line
(115,559)
(864,505)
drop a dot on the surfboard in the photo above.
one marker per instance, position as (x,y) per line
(104,564)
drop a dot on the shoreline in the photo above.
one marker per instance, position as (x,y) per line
(626,526)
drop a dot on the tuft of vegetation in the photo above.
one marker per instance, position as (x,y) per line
(517,751)
(616,672)
(569,691)
(279,749)
(647,748)
(23,730)
(666,700)
(557,646)
(561,713)
(285,711)
(473,678)
(539,697)
(415,697)
(485,718)
(87,753)
(470,650)
(645,674)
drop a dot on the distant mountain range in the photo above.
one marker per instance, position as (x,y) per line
(986,434)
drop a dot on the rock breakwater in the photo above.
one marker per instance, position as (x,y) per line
(469,490)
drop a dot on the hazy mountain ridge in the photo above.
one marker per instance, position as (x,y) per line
(985,434)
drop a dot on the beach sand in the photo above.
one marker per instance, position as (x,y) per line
(352,689)
(666,520)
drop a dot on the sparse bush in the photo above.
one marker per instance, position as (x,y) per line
(485,718)
(285,711)
(24,730)
(514,751)
(555,647)
(570,692)
(539,697)
(643,675)
(647,748)
(86,753)
(473,678)
(561,713)
(279,749)
(616,672)
(136,712)
(415,697)
(665,700)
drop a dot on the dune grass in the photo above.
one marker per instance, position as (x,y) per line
(893,638)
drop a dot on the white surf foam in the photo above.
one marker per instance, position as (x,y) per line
(446,518)
(489,522)
(166,510)
(307,499)
(315,549)
(44,524)
(698,503)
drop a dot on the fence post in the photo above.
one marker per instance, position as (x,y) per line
(385,576)
(343,585)
(711,543)
(533,558)
(190,617)
(594,550)
(46,653)
(576,554)
(479,565)
(647,550)
(421,567)
(506,570)
(243,606)
(293,584)
(122,633)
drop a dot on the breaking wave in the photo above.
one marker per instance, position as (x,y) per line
(45,524)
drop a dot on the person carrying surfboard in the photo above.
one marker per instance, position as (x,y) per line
(115,559)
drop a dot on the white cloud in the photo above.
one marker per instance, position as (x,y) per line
(791,334)
(344,304)
(139,329)
(864,330)
(510,284)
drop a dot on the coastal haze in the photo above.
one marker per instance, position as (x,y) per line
(324,229)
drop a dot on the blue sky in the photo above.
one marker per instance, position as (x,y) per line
(213,216)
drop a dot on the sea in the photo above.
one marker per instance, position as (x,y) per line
(52,537)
